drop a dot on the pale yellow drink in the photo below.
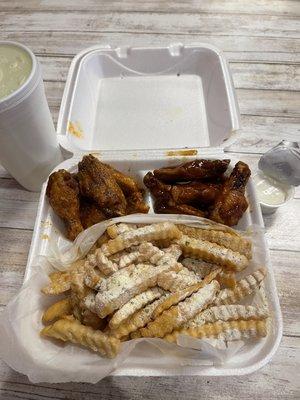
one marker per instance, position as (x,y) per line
(15,68)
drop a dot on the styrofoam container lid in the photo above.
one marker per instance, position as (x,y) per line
(147,98)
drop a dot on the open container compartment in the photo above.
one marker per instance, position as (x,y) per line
(125,110)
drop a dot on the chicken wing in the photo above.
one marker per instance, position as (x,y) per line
(193,170)
(90,214)
(172,208)
(98,184)
(197,193)
(231,202)
(63,194)
(132,192)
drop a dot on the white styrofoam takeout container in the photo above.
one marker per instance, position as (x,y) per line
(140,109)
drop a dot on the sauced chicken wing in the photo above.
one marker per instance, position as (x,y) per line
(96,182)
(63,194)
(90,213)
(231,202)
(193,170)
(196,193)
(173,208)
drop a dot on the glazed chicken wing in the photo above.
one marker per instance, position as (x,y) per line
(231,202)
(196,193)
(172,208)
(97,183)
(63,194)
(193,170)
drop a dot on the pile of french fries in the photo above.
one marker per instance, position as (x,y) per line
(157,281)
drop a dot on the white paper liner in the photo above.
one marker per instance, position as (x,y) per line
(43,360)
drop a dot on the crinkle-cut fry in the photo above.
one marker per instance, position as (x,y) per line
(151,253)
(60,281)
(73,331)
(174,249)
(212,252)
(126,283)
(174,298)
(236,242)
(98,259)
(129,258)
(176,316)
(227,313)
(163,230)
(117,256)
(243,288)
(232,330)
(115,230)
(175,281)
(79,293)
(200,267)
(57,310)
(137,320)
(227,278)
(92,277)
(133,305)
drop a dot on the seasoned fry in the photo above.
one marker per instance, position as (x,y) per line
(178,315)
(200,267)
(61,281)
(212,252)
(102,239)
(73,331)
(137,320)
(135,304)
(232,330)
(174,250)
(57,310)
(164,230)
(129,258)
(126,283)
(235,242)
(93,276)
(227,313)
(175,298)
(115,230)
(98,259)
(174,281)
(243,288)
(227,279)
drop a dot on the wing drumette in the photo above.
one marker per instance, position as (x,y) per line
(231,202)
(193,170)
(63,194)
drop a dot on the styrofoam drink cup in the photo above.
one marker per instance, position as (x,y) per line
(29,149)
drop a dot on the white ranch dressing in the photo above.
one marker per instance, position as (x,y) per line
(269,191)
(15,68)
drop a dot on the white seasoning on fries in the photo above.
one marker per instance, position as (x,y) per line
(212,252)
(164,230)
(227,313)
(135,304)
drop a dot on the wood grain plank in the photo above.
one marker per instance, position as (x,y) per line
(276,7)
(236,48)
(218,24)
(276,380)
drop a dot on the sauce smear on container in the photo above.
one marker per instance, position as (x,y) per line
(15,68)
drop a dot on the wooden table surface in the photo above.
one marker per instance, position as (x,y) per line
(261,41)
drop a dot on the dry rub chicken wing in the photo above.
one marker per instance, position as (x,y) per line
(231,202)
(90,214)
(192,170)
(63,195)
(96,182)
(132,192)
